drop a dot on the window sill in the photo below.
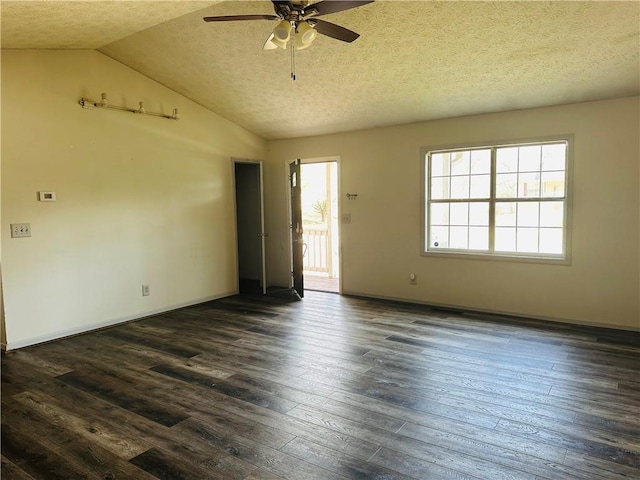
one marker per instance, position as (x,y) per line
(536,259)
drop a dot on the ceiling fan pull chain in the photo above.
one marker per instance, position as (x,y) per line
(293,52)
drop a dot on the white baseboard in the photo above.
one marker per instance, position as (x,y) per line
(496,312)
(57,335)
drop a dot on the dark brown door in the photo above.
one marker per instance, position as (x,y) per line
(296,227)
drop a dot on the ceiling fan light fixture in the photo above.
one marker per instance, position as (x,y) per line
(305,35)
(275,43)
(282,32)
(270,44)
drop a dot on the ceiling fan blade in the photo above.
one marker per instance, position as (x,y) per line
(232,18)
(334,31)
(324,7)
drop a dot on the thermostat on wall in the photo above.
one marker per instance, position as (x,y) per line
(47,196)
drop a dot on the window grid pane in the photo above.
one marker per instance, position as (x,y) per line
(459,225)
(531,171)
(531,177)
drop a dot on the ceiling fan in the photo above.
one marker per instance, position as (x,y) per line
(299,23)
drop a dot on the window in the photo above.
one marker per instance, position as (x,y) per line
(506,200)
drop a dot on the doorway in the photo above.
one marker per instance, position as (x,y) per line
(250,226)
(321,235)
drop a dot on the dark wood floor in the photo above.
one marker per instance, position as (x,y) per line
(326,388)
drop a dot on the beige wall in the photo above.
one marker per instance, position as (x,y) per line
(144,200)
(140,200)
(382,245)
(3,337)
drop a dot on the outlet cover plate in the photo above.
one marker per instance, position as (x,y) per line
(20,230)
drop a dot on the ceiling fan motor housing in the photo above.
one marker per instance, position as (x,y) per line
(294,12)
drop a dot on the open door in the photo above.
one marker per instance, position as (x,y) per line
(252,276)
(320,224)
(296,228)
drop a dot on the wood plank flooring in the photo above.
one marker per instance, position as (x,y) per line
(321,283)
(330,387)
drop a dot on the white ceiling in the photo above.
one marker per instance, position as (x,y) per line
(415,60)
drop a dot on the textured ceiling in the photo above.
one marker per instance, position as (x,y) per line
(83,24)
(415,60)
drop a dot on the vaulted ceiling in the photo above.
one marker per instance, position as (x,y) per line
(414,61)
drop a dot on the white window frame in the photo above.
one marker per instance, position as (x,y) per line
(563,259)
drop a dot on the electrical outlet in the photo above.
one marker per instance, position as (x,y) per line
(20,230)
(346,218)
(145,290)
(413,279)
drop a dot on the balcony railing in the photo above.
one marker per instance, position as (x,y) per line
(317,250)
